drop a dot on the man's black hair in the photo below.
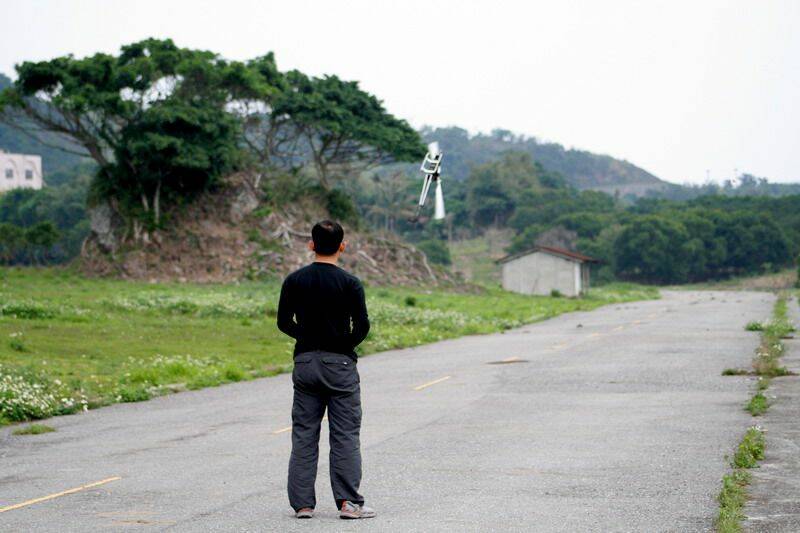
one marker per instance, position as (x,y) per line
(327,236)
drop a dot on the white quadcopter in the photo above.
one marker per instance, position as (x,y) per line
(431,167)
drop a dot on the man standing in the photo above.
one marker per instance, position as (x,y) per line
(317,304)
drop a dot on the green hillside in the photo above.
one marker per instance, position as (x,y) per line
(582,170)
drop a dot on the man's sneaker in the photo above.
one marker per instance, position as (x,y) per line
(305,512)
(353,511)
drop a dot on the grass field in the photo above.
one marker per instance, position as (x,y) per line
(68,343)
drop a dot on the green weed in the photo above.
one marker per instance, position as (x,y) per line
(733,494)
(735,372)
(133,394)
(750,450)
(731,499)
(757,405)
(34,429)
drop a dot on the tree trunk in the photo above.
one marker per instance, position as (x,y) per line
(157,203)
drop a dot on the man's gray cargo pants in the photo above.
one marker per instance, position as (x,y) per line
(325,380)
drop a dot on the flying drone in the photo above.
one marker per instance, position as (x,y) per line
(431,168)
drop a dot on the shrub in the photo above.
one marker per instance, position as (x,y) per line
(26,311)
(436,251)
(17,345)
(233,372)
(28,396)
(341,207)
(133,394)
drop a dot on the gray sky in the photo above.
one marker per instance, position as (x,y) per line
(676,87)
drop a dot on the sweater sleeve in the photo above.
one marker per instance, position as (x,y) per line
(286,321)
(359,316)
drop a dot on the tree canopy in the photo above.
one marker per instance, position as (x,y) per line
(164,122)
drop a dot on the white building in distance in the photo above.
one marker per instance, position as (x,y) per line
(544,269)
(20,171)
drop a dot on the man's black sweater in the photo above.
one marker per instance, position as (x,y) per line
(316,306)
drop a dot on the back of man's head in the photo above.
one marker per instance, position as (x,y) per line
(327,236)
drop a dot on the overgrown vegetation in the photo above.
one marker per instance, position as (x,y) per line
(89,343)
(766,362)
(750,451)
(731,499)
(733,494)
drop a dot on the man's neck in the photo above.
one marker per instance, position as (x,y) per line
(329,259)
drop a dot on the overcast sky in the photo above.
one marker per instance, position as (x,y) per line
(677,87)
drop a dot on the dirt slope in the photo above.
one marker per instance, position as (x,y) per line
(231,235)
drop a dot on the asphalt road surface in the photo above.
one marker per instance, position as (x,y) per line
(611,420)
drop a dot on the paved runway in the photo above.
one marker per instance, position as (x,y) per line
(612,420)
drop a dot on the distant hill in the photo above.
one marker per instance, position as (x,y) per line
(53,159)
(582,169)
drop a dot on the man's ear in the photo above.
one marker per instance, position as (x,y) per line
(342,246)
(311,245)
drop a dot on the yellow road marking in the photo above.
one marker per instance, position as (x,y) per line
(59,494)
(284,430)
(618,328)
(434,382)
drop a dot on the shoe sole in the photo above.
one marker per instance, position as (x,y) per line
(351,516)
(304,515)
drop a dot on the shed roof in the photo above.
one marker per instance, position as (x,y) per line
(560,252)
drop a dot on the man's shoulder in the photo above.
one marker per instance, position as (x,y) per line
(350,276)
(297,273)
(336,271)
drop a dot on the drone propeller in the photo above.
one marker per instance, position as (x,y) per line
(431,167)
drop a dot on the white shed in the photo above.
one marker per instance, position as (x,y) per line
(544,269)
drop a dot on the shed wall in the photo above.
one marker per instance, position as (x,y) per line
(541,273)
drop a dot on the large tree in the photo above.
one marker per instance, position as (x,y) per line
(154,118)
(328,124)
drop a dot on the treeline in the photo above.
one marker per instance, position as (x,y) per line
(47,225)
(651,240)
(744,185)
